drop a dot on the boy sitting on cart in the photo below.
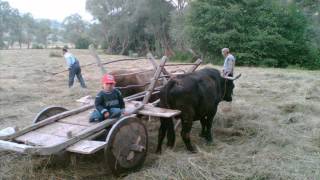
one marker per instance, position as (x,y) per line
(108,102)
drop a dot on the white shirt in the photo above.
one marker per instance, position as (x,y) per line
(70,59)
(228,65)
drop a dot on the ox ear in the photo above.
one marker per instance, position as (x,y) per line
(233,78)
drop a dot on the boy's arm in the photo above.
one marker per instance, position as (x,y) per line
(120,98)
(99,104)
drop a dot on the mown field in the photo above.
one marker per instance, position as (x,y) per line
(277,112)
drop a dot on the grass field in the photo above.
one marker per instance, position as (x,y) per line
(277,112)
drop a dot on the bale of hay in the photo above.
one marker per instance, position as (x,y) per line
(55,54)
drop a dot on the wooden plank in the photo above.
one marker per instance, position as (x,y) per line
(40,139)
(86,147)
(79,119)
(158,112)
(61,129)
(150,110)
(81,136)
(46,122)
(11,146)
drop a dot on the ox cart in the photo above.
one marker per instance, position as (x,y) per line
(56,129)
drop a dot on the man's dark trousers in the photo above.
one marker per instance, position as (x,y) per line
(75,70)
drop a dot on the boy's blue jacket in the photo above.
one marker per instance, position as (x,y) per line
(106,100)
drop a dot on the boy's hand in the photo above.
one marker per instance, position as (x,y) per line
(106,115)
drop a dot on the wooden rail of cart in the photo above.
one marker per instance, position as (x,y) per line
(57,129)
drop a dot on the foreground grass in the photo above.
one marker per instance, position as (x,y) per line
(276,110)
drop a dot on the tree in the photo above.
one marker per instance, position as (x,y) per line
(75,28)
(261,32)
(139,25)
(5,12)
(42,31)
(28,24)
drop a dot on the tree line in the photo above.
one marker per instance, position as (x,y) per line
(273,33)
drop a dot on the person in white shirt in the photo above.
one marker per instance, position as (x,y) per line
(227,71)
(74,68)
(229,63)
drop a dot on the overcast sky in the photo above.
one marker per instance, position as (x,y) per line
(51,9)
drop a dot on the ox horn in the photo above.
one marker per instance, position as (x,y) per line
(233,78)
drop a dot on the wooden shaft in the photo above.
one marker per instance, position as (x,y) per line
(154,80)
(155,66)
(132,86)
(98,60)
(181,64)
(153,61)
(195,66)
(140,72)
(119,60)
(141,96)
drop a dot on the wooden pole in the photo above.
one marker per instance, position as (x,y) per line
(98,60)
(154,80)
(195,65)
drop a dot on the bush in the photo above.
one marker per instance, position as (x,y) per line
(83,43)
(182,56)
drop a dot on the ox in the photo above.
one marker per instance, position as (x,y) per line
(132,81)
(197,96)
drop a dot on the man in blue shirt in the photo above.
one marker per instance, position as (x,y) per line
(73,67)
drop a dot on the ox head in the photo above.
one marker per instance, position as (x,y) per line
(228,86)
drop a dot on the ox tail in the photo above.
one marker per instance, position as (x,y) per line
(165,94)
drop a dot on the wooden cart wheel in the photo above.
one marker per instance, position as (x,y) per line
(48,112)
(127,145)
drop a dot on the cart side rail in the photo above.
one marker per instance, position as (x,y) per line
(46,122)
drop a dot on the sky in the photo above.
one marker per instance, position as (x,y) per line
(51,9)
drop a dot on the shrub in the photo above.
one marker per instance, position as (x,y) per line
(83,43)
(182,56)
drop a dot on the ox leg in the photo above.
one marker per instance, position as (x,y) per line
(203,127)
(209,126)
(185,134)
(161,134)
(171,134)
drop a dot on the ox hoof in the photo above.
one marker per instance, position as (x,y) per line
(158,151)
(202,135)
(209,143)
(192,150)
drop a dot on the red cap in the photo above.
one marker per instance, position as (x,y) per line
(108,79)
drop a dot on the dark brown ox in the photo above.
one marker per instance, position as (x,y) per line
(197,96)
(131,82)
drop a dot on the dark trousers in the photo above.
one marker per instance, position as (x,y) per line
(96,116)
(75,70)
